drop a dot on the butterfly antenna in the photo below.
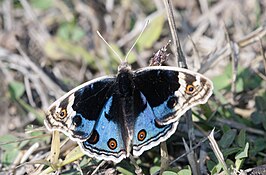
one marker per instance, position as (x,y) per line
(144,27)
(118,56)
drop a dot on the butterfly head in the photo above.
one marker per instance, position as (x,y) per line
(124,67)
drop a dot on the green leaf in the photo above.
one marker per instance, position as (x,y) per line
(264,121)
(10,150)
(250,79)
(154,169)
(224,80)
(77,33)
(8,138)
(73,155)
(184,172)
(152,32)
(42,4)
(9,156)
(227,138)
(241,138)
(169,173)
(239,85)
(239,163)
(70,31)
(211,164)
(216,169)
(230,151)
(244,153)
(260,103)
(259,145)
(59,48)
(125,171)
(257,116)
(16,89)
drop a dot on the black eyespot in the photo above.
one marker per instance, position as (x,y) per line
(107,116)
(112,144)
(94,138)
(172,102)
(158,125)
(142,135)
(77,120)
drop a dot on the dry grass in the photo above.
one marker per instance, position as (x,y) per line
(47,48)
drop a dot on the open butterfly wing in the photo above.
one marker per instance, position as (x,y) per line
(76,113)
(171,91)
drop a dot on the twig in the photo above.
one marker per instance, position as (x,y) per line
(252,37)
(42,34)
(263,55)
(180,58)
(40,90)
(226,51)
(192,159)
(193,148)
(196,59)
(28,91)
(234,56)
(98,167)
(237,125)
(7,15)
(35,73)
(181,62)
(217,152)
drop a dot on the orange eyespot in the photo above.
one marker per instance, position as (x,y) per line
(63,113)
(94,138)
(112,144)
(190,89)
(142,135)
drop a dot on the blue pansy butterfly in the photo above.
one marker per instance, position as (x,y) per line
(112,117)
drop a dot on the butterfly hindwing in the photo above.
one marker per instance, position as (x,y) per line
(106,141)
(147,132)
(76,112)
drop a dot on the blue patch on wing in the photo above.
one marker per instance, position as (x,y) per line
(83,127)
(107,142)
(163,111)
(147,133)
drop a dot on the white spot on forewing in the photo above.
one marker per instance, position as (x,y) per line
(180,95)
(182,82)
(197,82)
(181,76)
(70,103)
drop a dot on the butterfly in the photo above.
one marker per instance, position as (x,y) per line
(112,117)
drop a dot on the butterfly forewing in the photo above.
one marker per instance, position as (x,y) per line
(171,91)
(76,112)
